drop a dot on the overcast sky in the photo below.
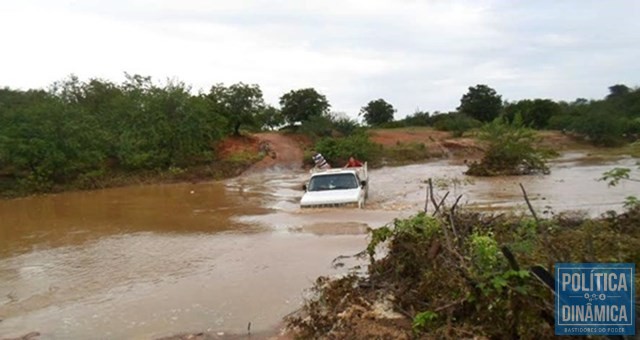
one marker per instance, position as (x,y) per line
(414,54)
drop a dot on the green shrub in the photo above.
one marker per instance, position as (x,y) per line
(511,150)
(326,125)
(560,122)
(418,118)
(84,131)
(345,126)
(243,158)
(307,157)
(424,320)
(393,125)
(337,150)
(633,129)
(317,127)
(457,123)
(603,128)
(485,253)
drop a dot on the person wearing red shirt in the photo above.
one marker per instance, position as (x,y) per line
(353,163)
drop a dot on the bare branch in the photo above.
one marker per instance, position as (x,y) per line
(455,204)
(433,199)
(526,198)
(440,204)
(426,199)
(457,302)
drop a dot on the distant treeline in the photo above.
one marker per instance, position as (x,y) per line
(610,121)
(87,129)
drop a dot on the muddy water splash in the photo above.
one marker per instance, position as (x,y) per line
(157,260)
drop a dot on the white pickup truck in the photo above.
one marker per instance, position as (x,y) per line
(336,187)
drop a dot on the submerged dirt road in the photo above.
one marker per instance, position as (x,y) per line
(157,260)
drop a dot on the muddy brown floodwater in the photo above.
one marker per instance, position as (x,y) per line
(152,261)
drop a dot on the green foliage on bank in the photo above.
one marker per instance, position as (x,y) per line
(338,150)
(611,121)
(83,132)
(511,150)
(456,123)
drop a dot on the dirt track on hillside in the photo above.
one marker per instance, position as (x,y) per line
(282,150)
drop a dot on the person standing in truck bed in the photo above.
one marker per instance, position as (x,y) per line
(353,163)
(320,162)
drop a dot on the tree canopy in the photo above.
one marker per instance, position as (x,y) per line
(618,90)
(377,112)
(84,129)
(610,121)
(270,118)
(240,104)
(481,102)
(535,113)
(301,105)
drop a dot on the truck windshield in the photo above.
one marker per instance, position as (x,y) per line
(333,182)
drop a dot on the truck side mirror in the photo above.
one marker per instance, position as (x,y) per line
(304,187)
(363,183)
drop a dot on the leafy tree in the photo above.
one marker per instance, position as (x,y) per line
(535,113)
(601,125)
(608,122)
(613,178)
(270,118)
(481,102)
(46,141)
(615,175)
(317,126)
(328,125)
(82,130)
(377,112)
(561,122)
(343,124)
(301,105)
(418,118)
(183,123)
(239,103)
(618,90)
(580,102)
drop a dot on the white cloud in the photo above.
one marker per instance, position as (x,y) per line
(412,53)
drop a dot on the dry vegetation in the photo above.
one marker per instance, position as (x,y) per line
(464,274)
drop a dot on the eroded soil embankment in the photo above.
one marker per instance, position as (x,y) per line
(444,143)
(281,151)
